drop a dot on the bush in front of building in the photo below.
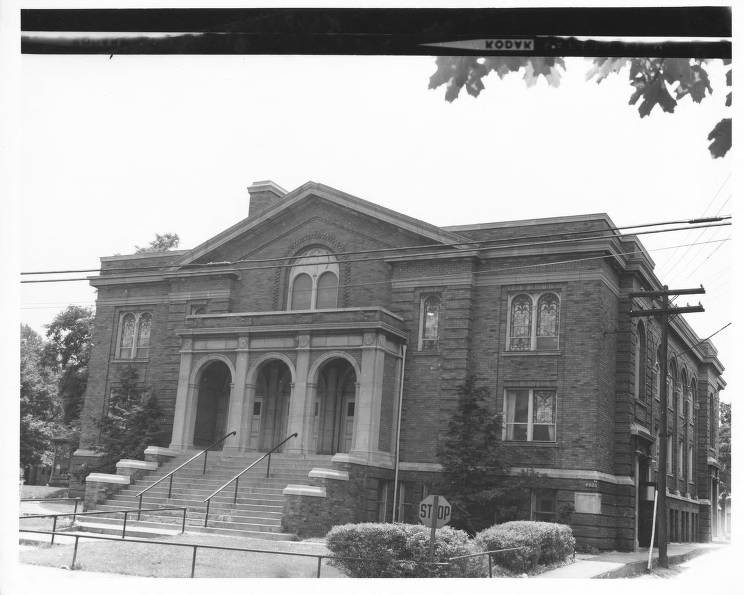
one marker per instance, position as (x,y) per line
(387,550)
(538,543)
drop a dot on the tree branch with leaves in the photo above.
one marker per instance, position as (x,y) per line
(653,81)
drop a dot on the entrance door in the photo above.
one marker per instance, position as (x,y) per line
(255,431)
(347,424)
(212,404)
(273,387)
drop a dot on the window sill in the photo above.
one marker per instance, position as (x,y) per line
(531,352)
(125,360)
(531,443)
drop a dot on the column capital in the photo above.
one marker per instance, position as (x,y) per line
(250,386)
(193,385)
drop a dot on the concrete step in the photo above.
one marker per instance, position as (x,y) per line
(215,482)
(174,524)
(122,501)
(194,511)
(198,493)
(133,530)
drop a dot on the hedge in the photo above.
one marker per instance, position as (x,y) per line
(402,551)
(541,543)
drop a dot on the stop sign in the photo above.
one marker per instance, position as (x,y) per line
(434,511)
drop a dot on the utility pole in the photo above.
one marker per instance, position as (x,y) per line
(664,312)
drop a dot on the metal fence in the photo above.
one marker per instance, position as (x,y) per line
(196,546)
(76,514)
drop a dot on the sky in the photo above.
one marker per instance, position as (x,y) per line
(117,150)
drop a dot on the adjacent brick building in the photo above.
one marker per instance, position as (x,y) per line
(309,314)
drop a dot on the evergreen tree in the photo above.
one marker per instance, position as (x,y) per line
(475,465)
(724,451)
(132,421)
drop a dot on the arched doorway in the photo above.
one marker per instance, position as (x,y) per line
(271,405)
(334,408)
(212,403)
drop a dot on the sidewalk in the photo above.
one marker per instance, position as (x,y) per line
(624,564)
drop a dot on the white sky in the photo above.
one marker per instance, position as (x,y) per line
(116,150)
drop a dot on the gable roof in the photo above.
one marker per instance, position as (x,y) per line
(314,189)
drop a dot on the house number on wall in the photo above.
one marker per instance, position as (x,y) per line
(591,484)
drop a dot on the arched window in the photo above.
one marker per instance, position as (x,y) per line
(327,291)
(127,336)
(134,335)
(534,322)
(302,289)
(640,363)
(143,335)
(657,376)
(547,321)
(429,323)
(521,323)
(313,281)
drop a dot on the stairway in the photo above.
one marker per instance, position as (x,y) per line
(256,513)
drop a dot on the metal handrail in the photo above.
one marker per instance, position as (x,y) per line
(236,478)
(172,473)
(126,512)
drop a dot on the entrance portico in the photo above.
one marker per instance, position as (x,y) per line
(330,375)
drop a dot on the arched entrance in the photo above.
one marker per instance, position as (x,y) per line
(271,405)
(334,408)
(212,403)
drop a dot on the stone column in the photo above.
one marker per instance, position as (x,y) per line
(236,419)
(369,399)
(298,401)
(308,446)
(179,440)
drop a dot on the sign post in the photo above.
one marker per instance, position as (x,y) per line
(434,512)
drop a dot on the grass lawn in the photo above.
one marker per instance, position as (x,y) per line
(154,560)
(42,492)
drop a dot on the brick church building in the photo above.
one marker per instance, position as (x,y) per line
(352,325)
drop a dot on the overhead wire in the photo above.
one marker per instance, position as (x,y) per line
(420,254)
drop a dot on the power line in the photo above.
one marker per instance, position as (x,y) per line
(712,200)
(421,254)
(466,243)
(446,276)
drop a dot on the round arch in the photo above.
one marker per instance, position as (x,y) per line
(253,369)
(312,375)
(199,366)
(213,385)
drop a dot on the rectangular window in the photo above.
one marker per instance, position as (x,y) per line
(530,415)
(681,460)
(543,505)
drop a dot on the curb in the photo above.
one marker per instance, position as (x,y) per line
(637,568)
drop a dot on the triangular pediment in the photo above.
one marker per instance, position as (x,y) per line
(312,191)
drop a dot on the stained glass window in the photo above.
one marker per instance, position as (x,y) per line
(544,416)
(430,323)
(547,321)
(521,323)
(143,335)
(530,415)
(127,336)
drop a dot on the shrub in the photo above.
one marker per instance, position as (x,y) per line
(401,551)
(541,543)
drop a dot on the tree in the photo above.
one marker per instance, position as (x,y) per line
(724,452)
(651,80)
(40,408)
(132,421)
(475,464)
(161,243)
(68,353)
